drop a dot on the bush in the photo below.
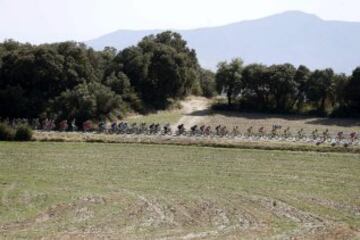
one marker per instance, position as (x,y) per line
(23,133)
(6,132)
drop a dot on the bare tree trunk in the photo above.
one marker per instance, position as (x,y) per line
(229,100)
(229,97)
(322,107)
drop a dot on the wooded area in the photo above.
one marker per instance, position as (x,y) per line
(284,88)
(68,80)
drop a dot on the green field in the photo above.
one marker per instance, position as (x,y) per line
(133,191)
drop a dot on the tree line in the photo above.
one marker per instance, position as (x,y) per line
(68,80)
(286,89)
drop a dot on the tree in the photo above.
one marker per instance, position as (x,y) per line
(160,68)
(134,63)
(340,81)
(320,87)
(88,101)
(301,79)
(256,83)
(228,78)
(352,95)
(71,80)
(31,77)
(12,101)
(282,86)
(120,84)
(207,83)
(38,71)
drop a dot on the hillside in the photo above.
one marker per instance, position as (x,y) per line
(294,37)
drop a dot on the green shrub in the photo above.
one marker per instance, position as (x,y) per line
(23,133)
(6,132)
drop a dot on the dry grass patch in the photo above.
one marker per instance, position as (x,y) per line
(295,122)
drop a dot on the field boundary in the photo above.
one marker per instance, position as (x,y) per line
(181,141)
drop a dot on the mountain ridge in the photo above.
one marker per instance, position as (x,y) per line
(293,36)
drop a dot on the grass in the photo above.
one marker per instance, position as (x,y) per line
(161,117)
(127,191)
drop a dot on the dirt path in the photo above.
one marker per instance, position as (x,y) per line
(194,109)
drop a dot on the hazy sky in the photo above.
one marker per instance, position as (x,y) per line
(57,20)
